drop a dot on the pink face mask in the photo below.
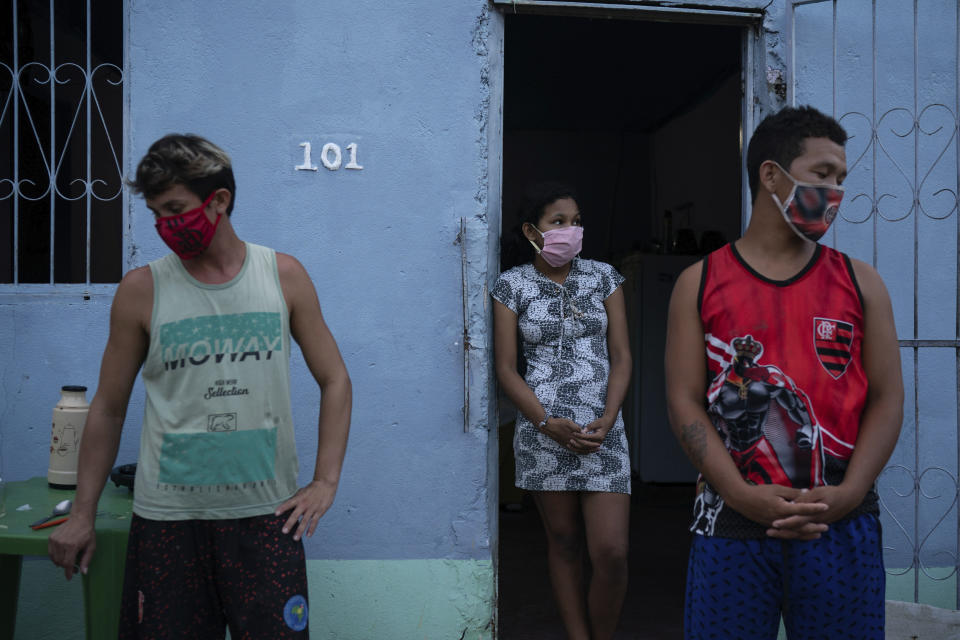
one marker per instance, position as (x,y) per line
(188,234)
(560,245)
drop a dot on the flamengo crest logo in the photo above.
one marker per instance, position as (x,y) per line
(833,340)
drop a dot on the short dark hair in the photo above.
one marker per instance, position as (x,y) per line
(187,159)
(515,250)
(537,196)
(780,137)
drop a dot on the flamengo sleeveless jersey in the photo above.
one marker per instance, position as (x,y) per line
(786,385)
(217,439)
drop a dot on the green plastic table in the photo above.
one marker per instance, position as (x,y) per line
(103,583)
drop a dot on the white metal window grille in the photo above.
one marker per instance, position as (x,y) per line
(61,138)
(888,70)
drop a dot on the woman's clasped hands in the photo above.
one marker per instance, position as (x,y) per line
(571,436)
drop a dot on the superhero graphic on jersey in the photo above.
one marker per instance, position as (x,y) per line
(786,385)
(767,425)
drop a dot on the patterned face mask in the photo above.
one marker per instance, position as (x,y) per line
(810,208)
(188,234)
(560,245)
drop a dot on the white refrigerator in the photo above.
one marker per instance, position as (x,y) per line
(655,454)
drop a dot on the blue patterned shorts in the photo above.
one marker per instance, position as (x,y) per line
(832,588)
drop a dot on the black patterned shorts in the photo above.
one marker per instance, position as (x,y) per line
(192,578)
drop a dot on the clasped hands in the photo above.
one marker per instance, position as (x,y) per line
(794,514)
(571,436)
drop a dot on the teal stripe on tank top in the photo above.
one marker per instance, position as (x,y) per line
(221,457)
(256,333)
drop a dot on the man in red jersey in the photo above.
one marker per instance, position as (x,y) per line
(799,410)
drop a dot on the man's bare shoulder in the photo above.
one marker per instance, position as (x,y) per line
(297,286)
(138,276)
(289,267)
(136,283)
(870,282)
(692,272)
(293,275)
(133,299)
(688,282)
(862,268)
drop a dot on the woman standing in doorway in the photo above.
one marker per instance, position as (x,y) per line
(570,446)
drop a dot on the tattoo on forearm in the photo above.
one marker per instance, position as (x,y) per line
(693,437)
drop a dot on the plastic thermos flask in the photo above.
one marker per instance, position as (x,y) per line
(69,417)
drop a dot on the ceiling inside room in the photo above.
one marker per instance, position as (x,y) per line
(598,74)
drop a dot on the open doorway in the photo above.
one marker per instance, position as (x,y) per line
(644,120)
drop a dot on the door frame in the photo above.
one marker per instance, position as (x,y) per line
(753,107)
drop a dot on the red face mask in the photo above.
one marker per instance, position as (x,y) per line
(810,209)
(188,234)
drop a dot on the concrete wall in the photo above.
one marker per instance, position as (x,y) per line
(410,85)
(416,86)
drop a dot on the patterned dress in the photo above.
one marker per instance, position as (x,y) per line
(563,335)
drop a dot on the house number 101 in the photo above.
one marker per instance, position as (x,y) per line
(331,157)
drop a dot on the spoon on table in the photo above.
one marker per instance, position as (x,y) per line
(60,513)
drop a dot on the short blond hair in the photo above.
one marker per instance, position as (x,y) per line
(187,159)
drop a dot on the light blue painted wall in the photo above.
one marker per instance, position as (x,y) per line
(910,91)
(49,340)
(412,86)
(417,87)
(403,82)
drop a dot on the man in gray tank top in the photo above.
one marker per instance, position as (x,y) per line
(210,325)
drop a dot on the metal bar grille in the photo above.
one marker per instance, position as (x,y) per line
(957,319)
(920,488)
(73,134)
